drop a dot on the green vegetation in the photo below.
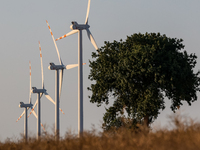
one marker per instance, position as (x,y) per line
(137,74)
(184,136)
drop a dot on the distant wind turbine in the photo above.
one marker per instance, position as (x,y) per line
(75,27)
(27,106)
(58,82)
(29,92)
(40,92)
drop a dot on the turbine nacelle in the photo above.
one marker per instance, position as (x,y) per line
(76,26)
(56,67)
(22,105)
(35,90)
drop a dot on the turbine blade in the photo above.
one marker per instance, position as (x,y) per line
(55,44)
(21,116)
(88,10)
(42,126)
(73,66)
(32,111)
(61,111)
(36,118)
(34,114)
(30,82)
(49,98)
(36,102)
(33,107)
(41,95)
(60,82)
(91,39)
(41,65)
(68,34)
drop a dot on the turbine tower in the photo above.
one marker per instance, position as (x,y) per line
(39,95)
(58,82)
(40,92)
(26,107)
(75,27)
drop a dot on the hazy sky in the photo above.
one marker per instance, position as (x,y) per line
(23,24)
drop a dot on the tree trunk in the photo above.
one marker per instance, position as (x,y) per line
(146,121)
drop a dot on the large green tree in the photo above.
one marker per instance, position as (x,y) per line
(138,73)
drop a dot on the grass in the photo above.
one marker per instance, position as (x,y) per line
(183,135)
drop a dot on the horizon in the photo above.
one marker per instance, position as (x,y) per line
(24,24)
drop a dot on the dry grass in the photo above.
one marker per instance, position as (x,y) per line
(185,135)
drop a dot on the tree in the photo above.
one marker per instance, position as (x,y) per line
(138,73)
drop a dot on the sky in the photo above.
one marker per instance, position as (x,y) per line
(23,24)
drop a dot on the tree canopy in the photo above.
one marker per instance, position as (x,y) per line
(138,73)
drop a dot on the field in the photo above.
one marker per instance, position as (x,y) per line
(183,135)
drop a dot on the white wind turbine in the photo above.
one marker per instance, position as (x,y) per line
(58,82)
(40,92)
(27,106)
(75,27)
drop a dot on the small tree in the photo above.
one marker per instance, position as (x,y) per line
(138,73)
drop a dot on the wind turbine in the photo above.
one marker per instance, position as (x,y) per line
(75,27)
(29,93)
(40,92)
(58,82)
(27,106)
